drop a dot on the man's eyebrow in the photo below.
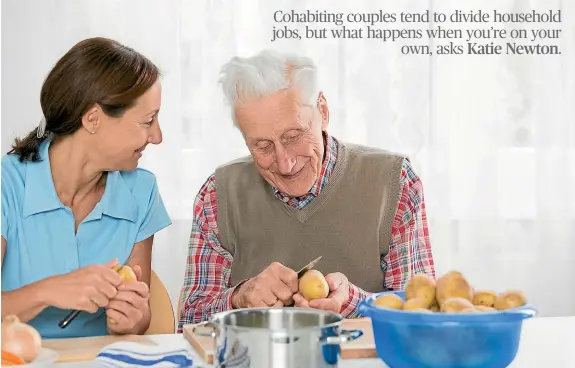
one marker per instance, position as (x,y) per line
(257,140)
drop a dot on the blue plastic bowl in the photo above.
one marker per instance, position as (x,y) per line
(405,339)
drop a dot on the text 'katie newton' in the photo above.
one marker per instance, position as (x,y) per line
(511,48)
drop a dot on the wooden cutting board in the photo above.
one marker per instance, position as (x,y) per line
(363,347)
(87,348)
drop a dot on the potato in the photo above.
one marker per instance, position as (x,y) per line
(454,294)
(422,310)
(390,301)
(483,308)
(421,286)
(413,304)
(510,299)
(453,285)
(469,310)
(484,297)
(455,305)
(313,285)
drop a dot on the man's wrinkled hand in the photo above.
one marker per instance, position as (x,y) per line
(338,295)
(273,287)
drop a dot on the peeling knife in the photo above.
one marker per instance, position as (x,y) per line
(73,314)
(308,267)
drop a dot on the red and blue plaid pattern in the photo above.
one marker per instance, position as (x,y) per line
(207,287)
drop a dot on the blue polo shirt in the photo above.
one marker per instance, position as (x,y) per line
(40,238)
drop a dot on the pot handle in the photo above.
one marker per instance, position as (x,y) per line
(211,334)
(342,338)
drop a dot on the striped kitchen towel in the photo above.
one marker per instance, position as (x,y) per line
(132,354)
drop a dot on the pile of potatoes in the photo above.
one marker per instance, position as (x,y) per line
(451,293)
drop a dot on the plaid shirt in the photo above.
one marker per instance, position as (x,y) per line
(207,288)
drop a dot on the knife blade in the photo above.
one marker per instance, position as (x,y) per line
(73,314)
(308,267)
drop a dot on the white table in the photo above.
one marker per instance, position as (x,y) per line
(545,342)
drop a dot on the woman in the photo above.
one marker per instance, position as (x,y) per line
(74,203)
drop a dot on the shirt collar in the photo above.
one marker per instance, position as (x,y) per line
(118,200)
(329,161)
(40,194)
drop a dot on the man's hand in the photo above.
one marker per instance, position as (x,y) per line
(273,287)
(338,295)
(129,306)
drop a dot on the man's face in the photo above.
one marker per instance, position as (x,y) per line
(285,139)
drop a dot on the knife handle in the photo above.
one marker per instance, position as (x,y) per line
(69,318)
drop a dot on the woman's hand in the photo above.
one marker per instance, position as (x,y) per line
(86,289)
(129,310)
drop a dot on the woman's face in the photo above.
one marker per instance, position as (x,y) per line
(120,142)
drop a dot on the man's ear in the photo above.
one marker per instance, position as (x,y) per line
(91,119)
(324,111)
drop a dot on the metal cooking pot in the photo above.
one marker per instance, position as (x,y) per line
(276,337)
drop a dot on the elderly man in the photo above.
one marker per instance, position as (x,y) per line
(300,194)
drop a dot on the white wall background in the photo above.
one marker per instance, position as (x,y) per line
(493,138)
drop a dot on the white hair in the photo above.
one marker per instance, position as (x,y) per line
(261,75)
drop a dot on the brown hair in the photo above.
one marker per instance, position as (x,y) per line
(94,71)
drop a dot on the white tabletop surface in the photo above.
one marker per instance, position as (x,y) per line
(545,342)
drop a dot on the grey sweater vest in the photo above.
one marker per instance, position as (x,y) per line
(349,223)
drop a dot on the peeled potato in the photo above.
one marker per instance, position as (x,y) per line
(127,274)
(485,297)
(510,299)
(390,301)
(453,285)
(455,305)
(414,304)
(421,286)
